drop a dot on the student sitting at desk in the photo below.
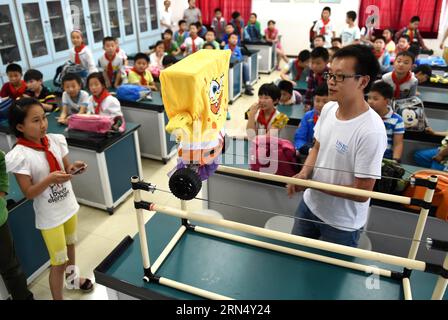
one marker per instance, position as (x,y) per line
(74,99)
(139,74)
(193,43)
(403,44)
(16,87)
(43,171)
(416,39)
(336,43)
(101,102)
(237,56)
(436,158)
(36,89)
(80,53)
(111,63)
(182,33)
(210,38)
(252,32)
(319,62)
(289,96)
(423,73)
(325,27)
(319,42)
(402,79)
(390,44)
(230,29)
(380,97)
(263,116)
(155,64)
(380,52)
(304,137)
(238,24)
(171,46)
(295,68)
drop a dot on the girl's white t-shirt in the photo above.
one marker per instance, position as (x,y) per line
(57,204)
(86,58)
(110,107)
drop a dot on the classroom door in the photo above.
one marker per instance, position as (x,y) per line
(34,27)
(11,49)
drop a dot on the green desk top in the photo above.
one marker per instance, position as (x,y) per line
(295,113)
(154,104)
(433,97)
(242,271)
(301,86)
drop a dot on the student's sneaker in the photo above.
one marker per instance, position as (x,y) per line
(248,92)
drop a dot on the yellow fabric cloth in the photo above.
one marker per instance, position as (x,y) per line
(134,78)
(195,95)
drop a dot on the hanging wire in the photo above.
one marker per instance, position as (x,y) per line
(261,211)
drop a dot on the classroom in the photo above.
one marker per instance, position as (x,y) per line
(184,149)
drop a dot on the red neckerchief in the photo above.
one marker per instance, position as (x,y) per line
(17,93)
(319,78)
(398,83)
(271,33)
(380,54)
(77,51)
(99,100)
(167,44)
(143,81)
(411,34)
(262,119)
(232,47)
(44,146)
(118,50)
(299,70)
(238,25)
(323,31)
(315,117)
(193,44)
(219,26)
(110,67)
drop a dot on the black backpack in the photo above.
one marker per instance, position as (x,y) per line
(68,67)
(391,172)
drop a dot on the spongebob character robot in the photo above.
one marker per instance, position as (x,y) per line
(195,96)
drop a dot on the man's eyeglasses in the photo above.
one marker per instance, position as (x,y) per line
(339,77)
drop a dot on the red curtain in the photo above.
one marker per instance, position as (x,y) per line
(227,6)
(396,14)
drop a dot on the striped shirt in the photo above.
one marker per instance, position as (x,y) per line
(394,125)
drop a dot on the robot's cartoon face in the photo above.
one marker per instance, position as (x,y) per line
(215,94)
(410,118)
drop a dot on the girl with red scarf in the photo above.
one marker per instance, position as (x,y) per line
(380,52)
(43,171)
(80,53)
(101,102)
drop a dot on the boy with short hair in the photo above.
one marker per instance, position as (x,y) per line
(380,52)
(171,47)
(402,79)
(74,99)
(413,33)
(111,63)
(380,97)
(219,24)
(16,87)
(182,33)
(289,96)
(230,29)
(304,137)
(336,42)
(264,118)
(319,65)
(351,34)
(139,74)
(294,70)
(325,27)
(319,42)
(210,38)
(36,89)
(253,29)
(238,23)
(193,43)
(403,44)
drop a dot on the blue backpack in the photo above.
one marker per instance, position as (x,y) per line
(132,92)
(5,104)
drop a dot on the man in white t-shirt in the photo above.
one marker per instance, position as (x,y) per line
(351,34)
(350,140)
(325,27)
(166,20)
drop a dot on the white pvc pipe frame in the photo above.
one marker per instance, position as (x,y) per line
(409,263)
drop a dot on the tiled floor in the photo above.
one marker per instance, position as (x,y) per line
(99,233)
